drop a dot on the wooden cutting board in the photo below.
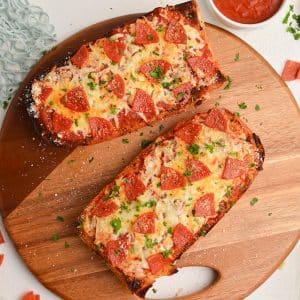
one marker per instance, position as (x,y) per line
(245,247)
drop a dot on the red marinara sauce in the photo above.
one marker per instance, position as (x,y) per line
(248,11)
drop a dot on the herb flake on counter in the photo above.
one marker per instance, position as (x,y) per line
(91,159)
(229,83)
(257,107)
(67,245)
(55,237)
(253,201)
(145,143)
(237,57)
(60,219)
(125,141)
(242,105)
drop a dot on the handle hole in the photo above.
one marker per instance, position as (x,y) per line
(186,281)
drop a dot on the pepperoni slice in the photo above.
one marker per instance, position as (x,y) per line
(61,123)
(216,119)
(175,33)
(143,103)
(145,223)
(104,206)
(145,34)
(188,132)
(117,86)
(31,296)
(76,100)
(205,206)
(182,237)
(46,117)
(1,238)
(298,74)
(154,70)
(202,63)
(171,179)
(198,169)
(233,168)
(157,262)
(290,71)
(73,137)
(100,129)
(129,119)
(182,92)
(133,186)
(113,49)
(1,259)
(80,58)
(45,93)
(117,250)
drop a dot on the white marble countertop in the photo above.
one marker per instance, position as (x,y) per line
(271,41)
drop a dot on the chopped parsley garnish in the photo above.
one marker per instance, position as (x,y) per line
(209,147)
(166,253)
(154,290)
(113,109)
(161,127)
(67,245)
(229,83)
(180,95)
(71,161)
(138,206)
(217,104)
(150,203)
(170,230)
(252,165)
(125,141)
(145,143)
(228,192)
(116,224)
(64,89)
(237,114)
(242,105)
(4,104)
(187,173)
(90,76)
(155,53)
(185,56)
(92,85)
(231,203)
(113,193)
(166,85)
(55,237)
(233,154)
(194,149)
(76,122)
(161,29)
(150,37)
(257,107)
(132,77)
(164,223)
(148,242)
(60,219)
(237,57)
(293,22)
(158,184)
(124,207)
(91,159)
(220,143)
(253,201)
(51,103)
(157,73)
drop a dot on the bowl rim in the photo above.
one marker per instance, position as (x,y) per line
(245,25)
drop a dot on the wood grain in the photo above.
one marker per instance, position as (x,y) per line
(245,247)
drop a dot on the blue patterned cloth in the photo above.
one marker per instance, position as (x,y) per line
(25,34)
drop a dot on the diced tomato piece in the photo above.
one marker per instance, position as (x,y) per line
(117,86)
(76,100)
(81,57)
(216,119)
(133,186)
(171,179)
(143,103)
(182,92)
(202,63)
(1,259)
(157,262)
(31,296)
(100,129)
(198,169)
(154,70)
(233,168)
(291,69)
(113,49)
(175,33)
(61,123)
(145,223)
(1,238)
(45,93)
(104,206)
(205,206)
(145,34)
(189,132)
(182,237)
(128,119)
(117,250)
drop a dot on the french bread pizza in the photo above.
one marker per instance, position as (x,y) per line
(140,73)
(174,192)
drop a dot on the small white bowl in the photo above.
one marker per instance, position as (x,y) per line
(235,24)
